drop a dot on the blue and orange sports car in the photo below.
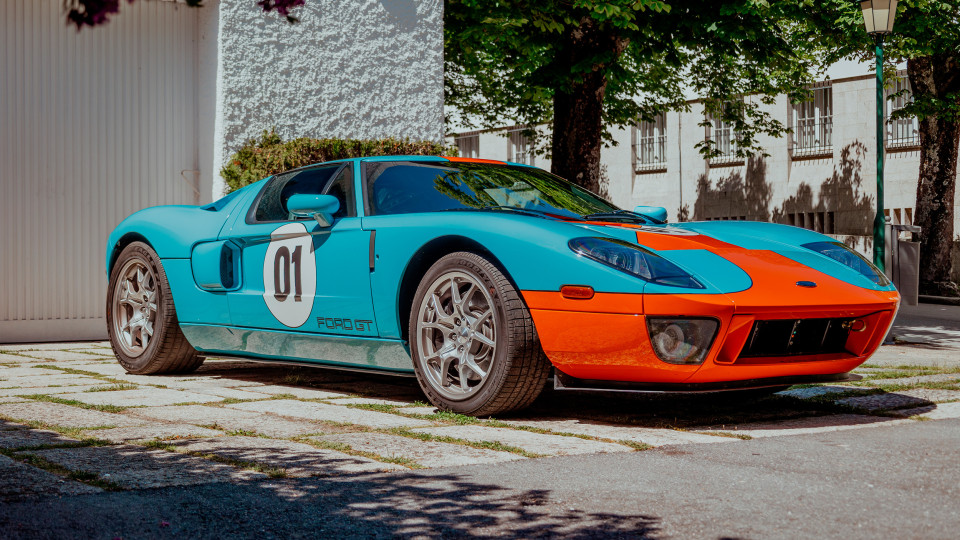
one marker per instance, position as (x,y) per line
(483,279)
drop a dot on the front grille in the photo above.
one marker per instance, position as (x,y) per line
(795,337)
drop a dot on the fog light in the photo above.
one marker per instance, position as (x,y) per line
(682,341)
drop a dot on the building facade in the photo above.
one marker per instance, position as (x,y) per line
(821,177)
(97,124)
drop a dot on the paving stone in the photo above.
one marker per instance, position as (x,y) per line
(939,377)
(939,411)
(12,359)
(370,401)
(137,467)
(232,393)
(619,432)
(812,424)
(816,391)
(538,443)
(52,346)
(299,392)
(22,481)
(211,382)
(141,396)
(64,379)
(900,400)
(330,413)
(299,459)
(45,390)
(110,370)
(231,419)
(64,415)
(13,399)
(22,438)
(55,356)
(150,432)
(10,373)
(426,453)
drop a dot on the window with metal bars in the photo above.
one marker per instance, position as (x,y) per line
(469,145)
(900,132)
(812,123)
(724,138)
(519,147)
(650,145)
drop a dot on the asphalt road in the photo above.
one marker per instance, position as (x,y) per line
(891,481)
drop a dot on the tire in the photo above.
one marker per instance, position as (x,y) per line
(478,355)
(141,320)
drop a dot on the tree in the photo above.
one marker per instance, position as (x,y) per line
(927,36)
(586,66)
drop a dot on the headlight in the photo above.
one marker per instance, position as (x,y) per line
(848,257)
(634,260)
(682,341)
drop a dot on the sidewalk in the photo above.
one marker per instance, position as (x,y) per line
(926,334)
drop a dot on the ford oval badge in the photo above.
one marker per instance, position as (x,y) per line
(807,284)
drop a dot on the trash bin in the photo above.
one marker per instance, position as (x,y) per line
(902,261)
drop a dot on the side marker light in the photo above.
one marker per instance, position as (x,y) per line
(577,292)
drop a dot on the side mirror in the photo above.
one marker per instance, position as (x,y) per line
(319,207)
(658,213)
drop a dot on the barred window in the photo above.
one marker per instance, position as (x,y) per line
(901,132)
(519,147)
(725,139)
(812,124)
(469,145)
(650,145)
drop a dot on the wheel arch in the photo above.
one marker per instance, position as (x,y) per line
(423,259)
(122,243)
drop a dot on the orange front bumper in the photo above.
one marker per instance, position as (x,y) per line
(606,338)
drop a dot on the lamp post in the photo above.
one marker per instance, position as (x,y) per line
(878,18)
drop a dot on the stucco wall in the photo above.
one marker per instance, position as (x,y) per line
(350,68)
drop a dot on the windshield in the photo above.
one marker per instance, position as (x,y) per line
(408,187)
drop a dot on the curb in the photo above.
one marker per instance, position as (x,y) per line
(941,300)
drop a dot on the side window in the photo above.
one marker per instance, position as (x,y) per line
(342,188)
(405,187)
(272,205)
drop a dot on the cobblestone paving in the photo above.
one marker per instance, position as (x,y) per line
(73,421)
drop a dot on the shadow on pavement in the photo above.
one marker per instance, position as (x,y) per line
(368,506)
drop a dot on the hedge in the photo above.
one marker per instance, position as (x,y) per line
(269,155)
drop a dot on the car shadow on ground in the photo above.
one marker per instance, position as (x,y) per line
(670,411)
(341,506)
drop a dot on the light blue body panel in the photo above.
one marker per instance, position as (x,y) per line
(331,295)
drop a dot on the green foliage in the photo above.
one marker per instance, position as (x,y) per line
(507,59)
(269,155)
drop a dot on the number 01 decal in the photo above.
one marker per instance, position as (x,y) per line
(290,275)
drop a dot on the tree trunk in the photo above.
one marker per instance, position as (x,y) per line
(936,76)
(578,103)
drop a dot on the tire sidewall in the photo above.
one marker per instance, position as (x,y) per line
(142,252)
(470,264)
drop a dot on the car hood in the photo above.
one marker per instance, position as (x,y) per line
(734,256)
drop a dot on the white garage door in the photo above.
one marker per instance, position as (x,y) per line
(93,126)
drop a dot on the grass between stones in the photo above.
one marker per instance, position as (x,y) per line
(486,445)
(729,434)
(347,449)
(272,472)
(93,374)
(113,387)
(80,404)
(86,477)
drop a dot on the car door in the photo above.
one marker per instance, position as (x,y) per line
(296,275)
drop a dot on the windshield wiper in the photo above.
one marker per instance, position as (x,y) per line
(527,211)
(623,214)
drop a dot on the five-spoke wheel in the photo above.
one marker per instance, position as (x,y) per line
(141,320)
(474,347)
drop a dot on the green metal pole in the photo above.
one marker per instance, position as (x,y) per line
(878,222)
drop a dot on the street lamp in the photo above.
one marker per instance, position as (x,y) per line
(878,18)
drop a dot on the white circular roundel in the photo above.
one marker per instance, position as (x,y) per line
(290,274)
